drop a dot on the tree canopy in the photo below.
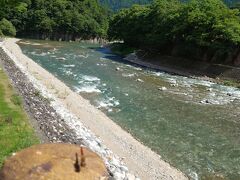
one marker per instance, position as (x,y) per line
(56,18)
(7,28)
(205,24)
(120,4)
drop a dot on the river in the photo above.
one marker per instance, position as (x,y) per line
(193,124)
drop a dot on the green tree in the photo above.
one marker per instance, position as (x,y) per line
(1,34)
(162,19)
(120,4)
(194,28)
(129,25)
(60,18)
(7,28)
(209,23)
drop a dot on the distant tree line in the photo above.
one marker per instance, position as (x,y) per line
(55,19)
(206,29)
(116,5)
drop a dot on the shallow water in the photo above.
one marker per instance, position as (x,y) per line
(193,124)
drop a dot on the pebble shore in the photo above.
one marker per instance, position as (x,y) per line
(124,156)
(54,120)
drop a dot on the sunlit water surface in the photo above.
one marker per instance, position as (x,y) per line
(201,139)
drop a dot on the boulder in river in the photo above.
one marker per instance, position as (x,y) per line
(162,88)
(205,101)
(210,90)
(174,85)
(140,80)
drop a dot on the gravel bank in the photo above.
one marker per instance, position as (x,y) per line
(53,126)
(50,123)
(63,116)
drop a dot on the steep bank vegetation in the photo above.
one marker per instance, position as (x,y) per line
(206,30)
(116,5)
(120,4)
(56,19)
(62,19)
(15,131)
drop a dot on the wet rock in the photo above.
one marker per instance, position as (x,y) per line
(205,101)
(140,80)
(117,69)
(209,90)
(174,85)
(162,88)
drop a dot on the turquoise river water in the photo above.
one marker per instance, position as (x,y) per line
(201,139)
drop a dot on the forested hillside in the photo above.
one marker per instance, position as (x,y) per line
(207,30)
(55,19)
(116,5)
(119,4)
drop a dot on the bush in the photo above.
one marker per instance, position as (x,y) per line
(121,49)
(7,28)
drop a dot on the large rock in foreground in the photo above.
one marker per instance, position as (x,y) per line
(54,162)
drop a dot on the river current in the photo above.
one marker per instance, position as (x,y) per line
(193,124)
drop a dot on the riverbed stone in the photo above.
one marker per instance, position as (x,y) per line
(162,88)
(140,80)
(130,176)
(119,176)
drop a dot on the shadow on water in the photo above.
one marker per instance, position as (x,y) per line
(109,55)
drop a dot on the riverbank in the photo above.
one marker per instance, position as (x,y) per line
(15,130)
(221,74)
(218,73)
(139,159)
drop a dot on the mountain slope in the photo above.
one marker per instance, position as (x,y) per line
(119,4)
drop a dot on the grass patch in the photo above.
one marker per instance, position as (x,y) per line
(121,49)
(233,83)
(229,82)
(15,131)
(16,99)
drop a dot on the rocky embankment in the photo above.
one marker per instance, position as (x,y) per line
(185,67)
(54,122)
(50,123)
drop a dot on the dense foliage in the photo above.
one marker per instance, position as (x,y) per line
(116,5)
(56,19)
(7,28)
(168,24)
